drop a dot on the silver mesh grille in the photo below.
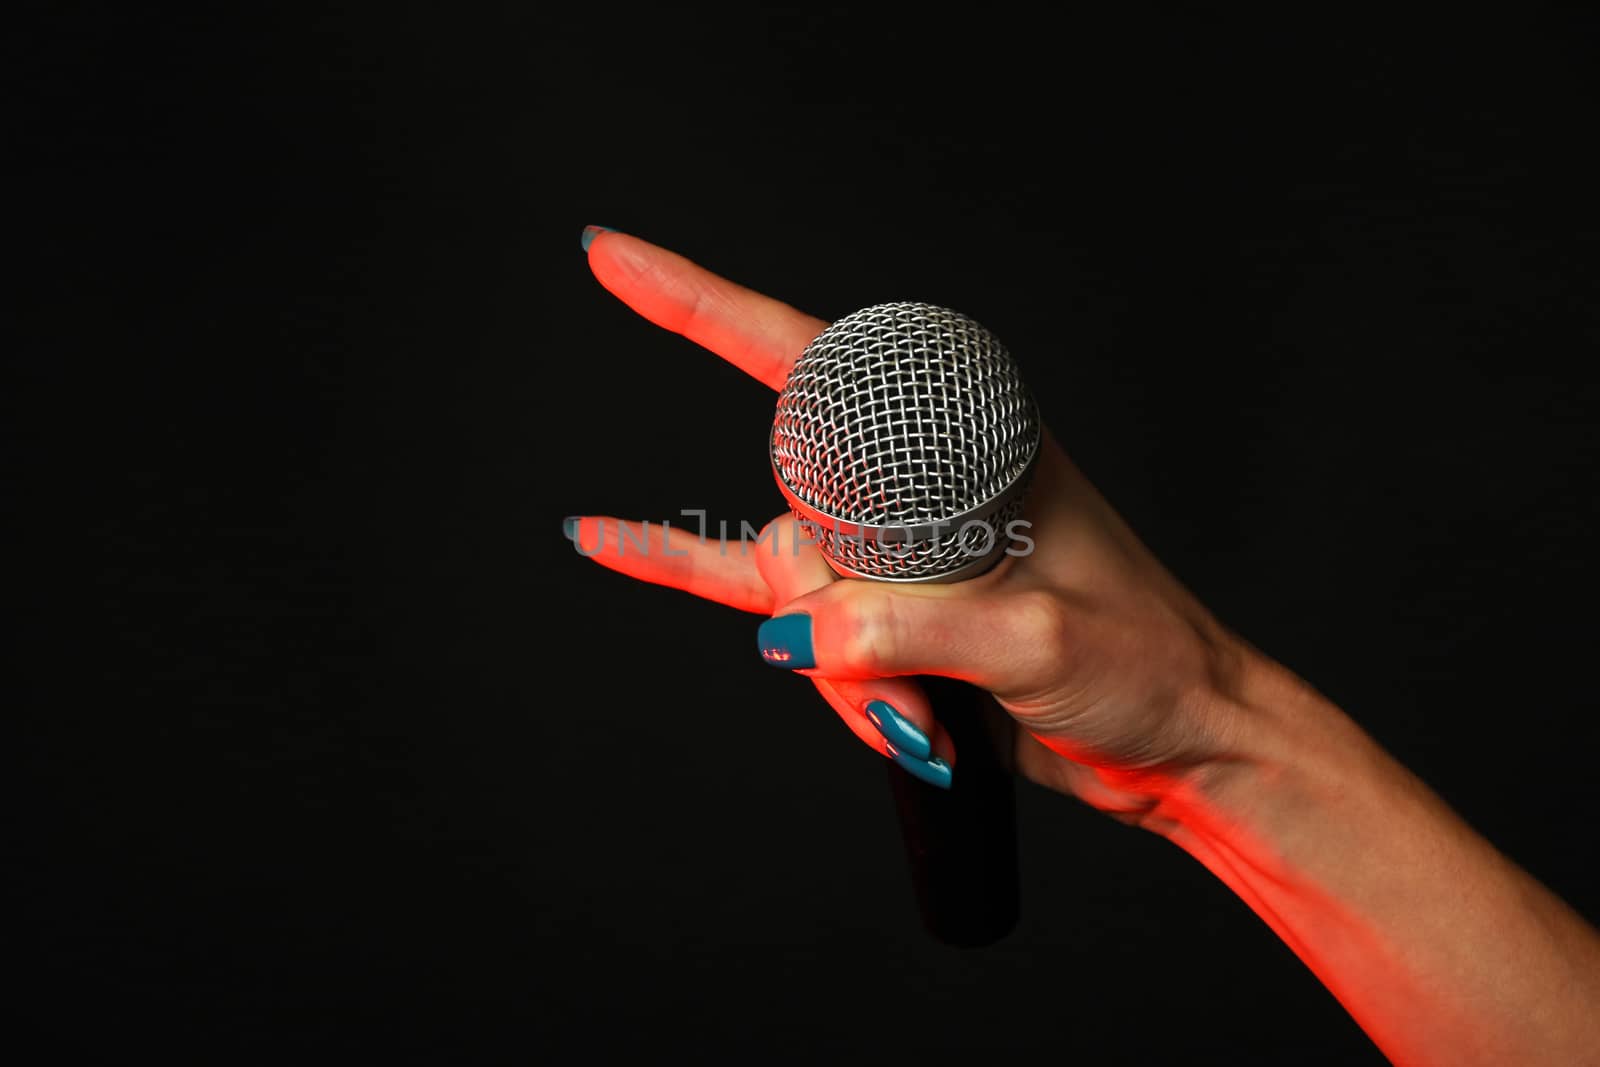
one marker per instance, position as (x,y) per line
(902,415)
(926,558)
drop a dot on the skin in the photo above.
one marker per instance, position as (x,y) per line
(1130,695)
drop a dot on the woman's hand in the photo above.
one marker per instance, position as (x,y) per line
(1131,696)
(1109,666)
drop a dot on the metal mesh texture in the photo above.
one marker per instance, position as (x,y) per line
(905,414)
(927,558)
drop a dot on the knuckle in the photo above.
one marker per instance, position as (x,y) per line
(870,640)
(1041,619)
(775,526)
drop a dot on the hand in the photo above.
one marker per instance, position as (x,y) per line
(1103,659)
(1130,695)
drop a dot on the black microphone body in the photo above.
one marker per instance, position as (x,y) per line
(904,439)
(961,842)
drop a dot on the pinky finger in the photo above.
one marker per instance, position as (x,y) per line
(662,555)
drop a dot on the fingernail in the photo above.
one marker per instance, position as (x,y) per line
(569,528)
(897,730)
(591,232)
(934,771)
(786,642)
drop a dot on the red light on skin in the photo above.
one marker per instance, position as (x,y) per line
(775,655)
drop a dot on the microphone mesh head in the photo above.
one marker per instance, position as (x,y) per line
(906,435)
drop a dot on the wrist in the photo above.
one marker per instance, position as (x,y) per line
(1275,746)
(1439,946)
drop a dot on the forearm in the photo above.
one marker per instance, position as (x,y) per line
(1442,949)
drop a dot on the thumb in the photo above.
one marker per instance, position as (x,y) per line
(853,629)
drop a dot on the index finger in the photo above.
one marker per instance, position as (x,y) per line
(759,335)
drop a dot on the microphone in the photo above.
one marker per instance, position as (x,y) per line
(905,439)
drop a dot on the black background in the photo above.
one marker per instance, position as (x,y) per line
(333,749)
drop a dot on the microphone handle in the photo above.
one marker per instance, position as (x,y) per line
(961,842)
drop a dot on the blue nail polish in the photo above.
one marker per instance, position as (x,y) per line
(569,527)
(935,771)
(591,232)
(786,642)
(898,730)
